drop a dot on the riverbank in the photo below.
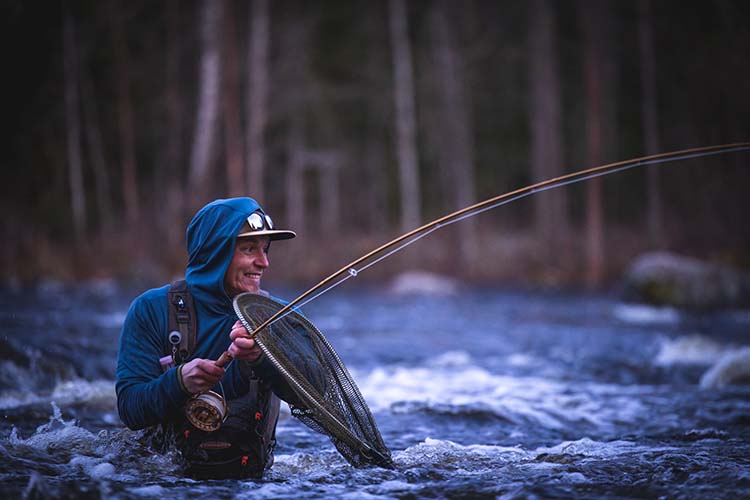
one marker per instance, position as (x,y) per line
(510,257)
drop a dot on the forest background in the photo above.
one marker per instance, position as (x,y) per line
(352,121)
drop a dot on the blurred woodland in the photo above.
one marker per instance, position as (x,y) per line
(352,121)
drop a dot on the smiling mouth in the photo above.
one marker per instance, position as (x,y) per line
(252,275)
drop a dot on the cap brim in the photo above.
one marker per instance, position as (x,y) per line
(273,234)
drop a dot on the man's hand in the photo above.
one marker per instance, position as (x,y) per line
(200,375)
(243,347)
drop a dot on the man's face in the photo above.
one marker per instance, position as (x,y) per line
(249,261)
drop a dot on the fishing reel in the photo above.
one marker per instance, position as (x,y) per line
(207,411)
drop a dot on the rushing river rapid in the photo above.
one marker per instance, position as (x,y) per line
(487,394)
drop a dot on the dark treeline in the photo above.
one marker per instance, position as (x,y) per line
(352,121)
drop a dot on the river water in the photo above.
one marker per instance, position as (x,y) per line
(488,394)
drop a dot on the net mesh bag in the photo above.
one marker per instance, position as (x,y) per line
(327,399)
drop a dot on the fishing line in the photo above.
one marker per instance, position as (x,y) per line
(579,177)
(588,177)
(401,242)
(353,273)
(340,410)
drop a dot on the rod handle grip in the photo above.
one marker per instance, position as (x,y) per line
(224,359)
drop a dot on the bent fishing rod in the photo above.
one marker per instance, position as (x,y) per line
(399,243)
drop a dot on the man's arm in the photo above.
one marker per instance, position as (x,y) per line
(145,395)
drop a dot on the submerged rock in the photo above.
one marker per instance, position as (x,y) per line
(667,279)
(423,283)
(733,368)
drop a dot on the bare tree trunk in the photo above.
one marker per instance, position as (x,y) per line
(455,147)
(175,179)
(232,127)
(292,100)
(650,119)
(257,79)
(208,105)
(73,126)
(125,119)
(550,209)
(376,208)
(330,204)
(295,192)
(406,141)
(96,155)
(592,17)
(372,216)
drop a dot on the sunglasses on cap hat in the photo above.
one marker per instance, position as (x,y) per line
(258,221)
(260,224)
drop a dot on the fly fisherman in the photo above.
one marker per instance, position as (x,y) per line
(173,334)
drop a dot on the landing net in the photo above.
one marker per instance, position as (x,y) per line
(329,401)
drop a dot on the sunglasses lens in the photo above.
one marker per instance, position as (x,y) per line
(255,221)
(269,222)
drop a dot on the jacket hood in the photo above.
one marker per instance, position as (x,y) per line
(211,237)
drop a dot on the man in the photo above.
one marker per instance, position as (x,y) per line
(228,243)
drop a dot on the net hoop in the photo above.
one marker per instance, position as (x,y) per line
(332,423)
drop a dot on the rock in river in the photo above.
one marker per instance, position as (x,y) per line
(667,279)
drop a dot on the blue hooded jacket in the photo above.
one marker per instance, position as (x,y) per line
(145,394)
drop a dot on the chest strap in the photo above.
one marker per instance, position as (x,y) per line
(183,321)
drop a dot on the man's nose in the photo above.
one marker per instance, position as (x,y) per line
(262,260)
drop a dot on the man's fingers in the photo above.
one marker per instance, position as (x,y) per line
(245,349)
(210,369)
(244,343)
(238,332)
(200,375)
(239,351)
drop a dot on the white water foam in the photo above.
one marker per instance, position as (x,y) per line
(59,434)
(16,399)
(17,377)
(105,456)
(454,381)
(692,350)
(78,391)
(153,490)
(589,448)
(396,486)
(95,467)
(54,433)
(67,392)
(641,314)
(486,458)
(302,463)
